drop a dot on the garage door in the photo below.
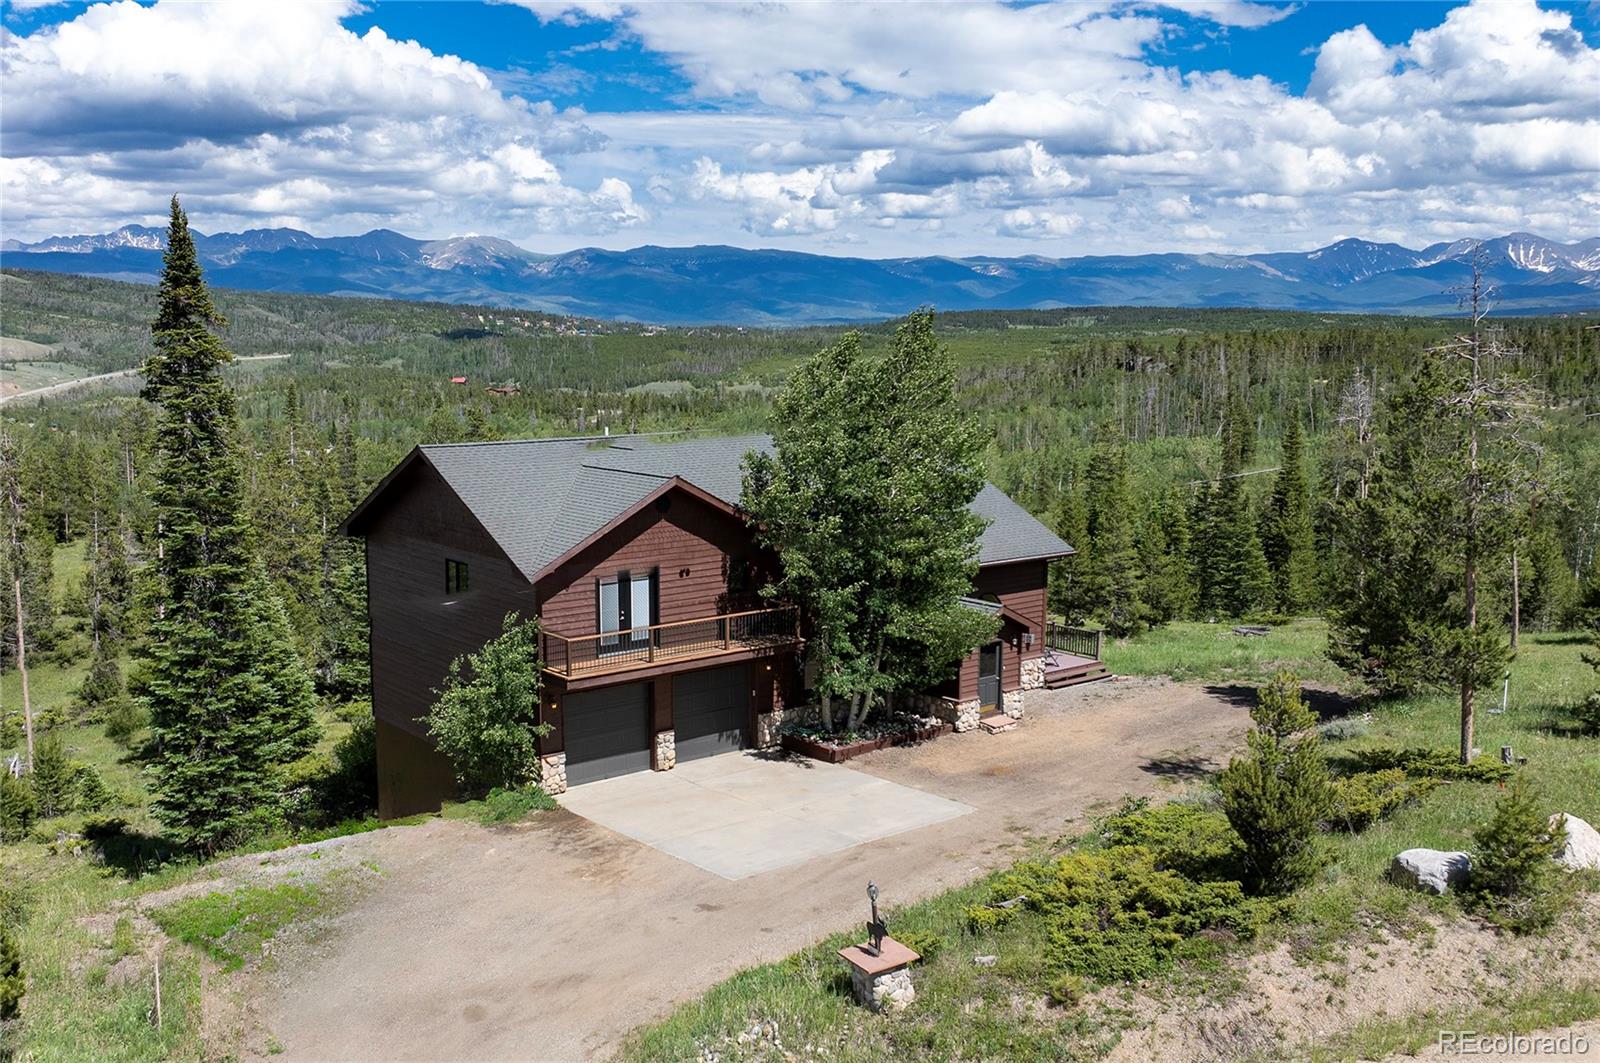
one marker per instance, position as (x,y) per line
(709,710)
(607,732)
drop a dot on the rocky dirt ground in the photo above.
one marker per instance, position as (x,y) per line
(1281,998)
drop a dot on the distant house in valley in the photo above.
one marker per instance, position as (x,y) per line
(458,380)
(656,645)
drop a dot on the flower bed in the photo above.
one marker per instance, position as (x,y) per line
(835,747)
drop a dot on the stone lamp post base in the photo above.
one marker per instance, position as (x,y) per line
(881,982)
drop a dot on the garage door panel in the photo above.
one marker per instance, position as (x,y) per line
(607,732)
(710,709)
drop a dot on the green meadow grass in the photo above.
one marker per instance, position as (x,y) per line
(1192,651)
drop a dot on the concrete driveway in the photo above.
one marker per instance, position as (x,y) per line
(550,940)
(739,814)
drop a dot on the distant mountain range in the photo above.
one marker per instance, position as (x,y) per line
(688,285)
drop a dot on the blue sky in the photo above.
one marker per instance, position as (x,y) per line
(1043,128)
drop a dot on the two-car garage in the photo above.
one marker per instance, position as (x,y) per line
(608,731)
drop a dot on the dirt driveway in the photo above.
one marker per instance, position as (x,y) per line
(550,941)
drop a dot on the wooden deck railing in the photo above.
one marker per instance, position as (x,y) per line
(579,655)
(1078,641)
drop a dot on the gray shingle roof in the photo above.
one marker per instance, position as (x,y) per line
(539,498)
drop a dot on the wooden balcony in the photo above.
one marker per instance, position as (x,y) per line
(1072,655)
(582,656)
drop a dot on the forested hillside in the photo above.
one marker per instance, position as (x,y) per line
(1115,425)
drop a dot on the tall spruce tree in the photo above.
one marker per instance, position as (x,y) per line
(1112,573)
(1230,570)
(1288,539)
(229,700)
(1164,553)
(343,665)
(1070,518)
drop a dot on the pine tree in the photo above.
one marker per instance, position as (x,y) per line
(286,480)
(1070,519)
(343,664)
(1288,539)
(1230,570)
(1164,554)
(1238,434)
(1112,576)
(228,699)
(1276,795)
(1513,861)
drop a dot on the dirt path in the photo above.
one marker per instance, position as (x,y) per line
(101,378)
(551,940)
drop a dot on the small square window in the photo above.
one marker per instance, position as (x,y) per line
(455,577)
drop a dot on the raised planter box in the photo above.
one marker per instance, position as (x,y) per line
(834,754)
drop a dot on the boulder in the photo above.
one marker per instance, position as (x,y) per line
(1430,869)
(1582,852)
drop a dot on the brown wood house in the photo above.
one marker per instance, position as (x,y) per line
(656,647)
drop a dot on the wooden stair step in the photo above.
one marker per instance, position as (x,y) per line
(1056,682)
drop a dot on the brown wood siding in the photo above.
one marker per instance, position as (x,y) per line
(1021,588)
(417,629)
(412,776)
(661,704)
(691,545)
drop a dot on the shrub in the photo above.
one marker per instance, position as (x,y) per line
(1358,801)
(124,718)
(924,943)
(1114,915)
(1587,712)
(504,806)
(486,719)
(1423,763)
(1183,838)
(1513,864)
(1343,729)
(17,807)
(330,788)
(1277,794)
(1067,989)
(103,683)
(982,918)
(11,735)
(351,788)
(12,982)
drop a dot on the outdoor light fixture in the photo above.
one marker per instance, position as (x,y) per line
(875,928)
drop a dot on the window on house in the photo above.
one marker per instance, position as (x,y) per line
(626,605)
(455,576)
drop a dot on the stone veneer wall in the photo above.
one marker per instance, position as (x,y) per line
(664,757)
(1032,673)
(768,726)
(553,773)
(1011,703)
(962,715)
(889,991)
